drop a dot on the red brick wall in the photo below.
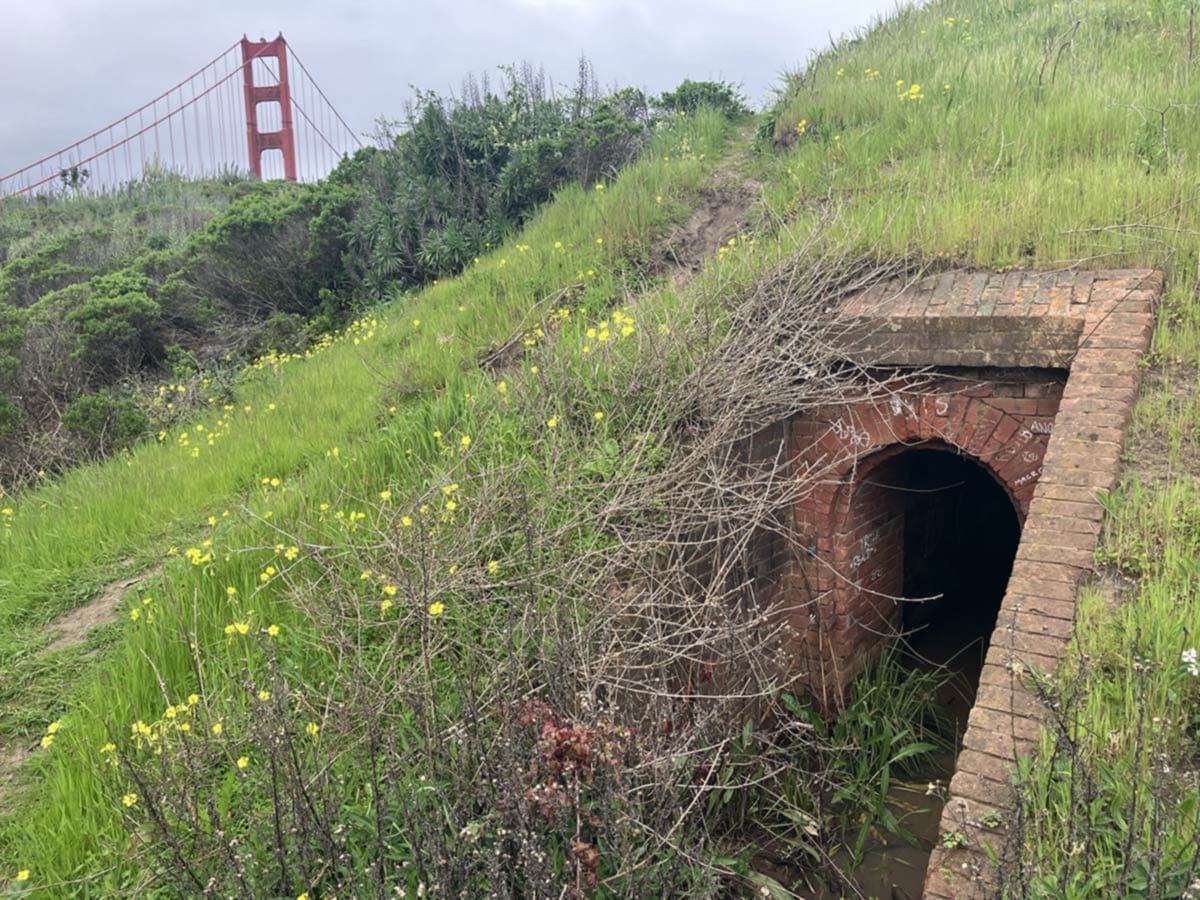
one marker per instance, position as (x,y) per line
(852,531)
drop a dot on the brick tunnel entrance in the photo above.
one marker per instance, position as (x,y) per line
(959,538)
(1033,380)
(918,493)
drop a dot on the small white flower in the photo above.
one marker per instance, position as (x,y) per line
(1191,661)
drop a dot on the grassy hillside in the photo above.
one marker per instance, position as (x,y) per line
(1056,135)
(398,603)
(102,298)
(305,438)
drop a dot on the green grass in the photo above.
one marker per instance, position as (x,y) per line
(1042,152)
(330,438)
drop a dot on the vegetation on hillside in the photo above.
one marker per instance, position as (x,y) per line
(436,626)
(1019,133)
(102,299)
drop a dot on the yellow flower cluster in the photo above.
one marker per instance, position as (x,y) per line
(176,718)
(622,325)
(912,93)
(740,240)
(199,556)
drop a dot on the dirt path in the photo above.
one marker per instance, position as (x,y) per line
(72,627)
(720,215)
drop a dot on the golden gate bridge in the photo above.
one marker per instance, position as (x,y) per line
(253,109)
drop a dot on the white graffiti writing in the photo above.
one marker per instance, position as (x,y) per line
(869,544)
(1028,477)
(902,407)
(1004,454)
(941,406)
(1042,426)
(1031,456)
(853,436)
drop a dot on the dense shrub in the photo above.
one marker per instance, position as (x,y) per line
(115,328)
(103,423)
(691,95)
(461,172)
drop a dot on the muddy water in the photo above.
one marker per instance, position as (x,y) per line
(891,868)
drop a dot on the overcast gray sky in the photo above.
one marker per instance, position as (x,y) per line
(69,66)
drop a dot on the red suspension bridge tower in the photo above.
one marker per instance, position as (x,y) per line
(230,115)
(259,141)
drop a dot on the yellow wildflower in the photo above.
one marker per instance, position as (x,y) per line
(436,609)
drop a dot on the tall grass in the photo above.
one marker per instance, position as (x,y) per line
(327,434)
(1049,134)
(1056,135)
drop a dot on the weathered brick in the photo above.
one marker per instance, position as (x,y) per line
(982,790)
(1010,699)
(1043,606)
(1099,326)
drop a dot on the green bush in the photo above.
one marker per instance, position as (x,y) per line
(12,334)
(10,415)
(103,423)
(719,95)
(115,335)
(459,173)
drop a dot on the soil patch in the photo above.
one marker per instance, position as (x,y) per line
(719,216)
(1148,450)
(73,627)
(11,759)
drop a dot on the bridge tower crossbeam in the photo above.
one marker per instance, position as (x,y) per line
(257,141)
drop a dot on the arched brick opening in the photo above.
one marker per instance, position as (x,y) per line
(961,530)
(852,530)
